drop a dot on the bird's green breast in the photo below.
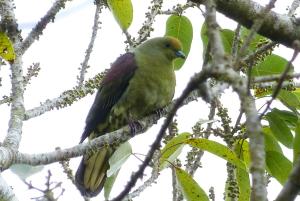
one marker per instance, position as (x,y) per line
(152,87)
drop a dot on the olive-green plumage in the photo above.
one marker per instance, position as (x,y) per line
(138,83)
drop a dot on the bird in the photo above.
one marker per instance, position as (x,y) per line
(137,84)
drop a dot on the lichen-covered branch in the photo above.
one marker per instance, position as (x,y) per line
(84,64)
(32,71)
(291,188)
(9,23)
(66,98)
(222,69)
(179,9)
(120,135)
(279,28)
(37,31)
(147,28)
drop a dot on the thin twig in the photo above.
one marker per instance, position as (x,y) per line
(236,41)
(179,9)
(258,22)
(84,64)
(281,79)
(37,31)
(293,8)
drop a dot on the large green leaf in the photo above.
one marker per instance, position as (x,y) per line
(241,149)
(181,28)
(108,185)
(118,158)
(255,42)
(172,149)
(272,64)
(189,187)
(243,181)
(227,36)
(217,149)
(204,38)
(278,166)
(271,144)
(122,11)
(296,144)
(280,129)
(289,99)
(6,48)
(289,117)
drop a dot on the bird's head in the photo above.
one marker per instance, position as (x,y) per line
(169,46)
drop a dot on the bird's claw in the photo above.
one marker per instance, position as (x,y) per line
(135,127)
(160,112)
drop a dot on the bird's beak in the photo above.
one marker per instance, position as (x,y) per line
(180,54)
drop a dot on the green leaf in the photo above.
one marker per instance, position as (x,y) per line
(6,48)
(243,181)
(217,149)
(227,36)
(289,117)
(109,184)
(272,64)
(189,187)
(23,171)
(271,144)
(204,38)
(241,149)
(122,11)
(278,166)
(255,42)
(296,144)
(118,158)
(289,99)
(172,149)
(280,130)
(181,28)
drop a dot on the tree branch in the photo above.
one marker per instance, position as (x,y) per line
(291,188)
(221,69)
(37,31)
(84,64)
(9,23)
(277,27)
(121,135)
(66,98)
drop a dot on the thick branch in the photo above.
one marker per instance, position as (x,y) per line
(277,27)
(292,187)
(9,22)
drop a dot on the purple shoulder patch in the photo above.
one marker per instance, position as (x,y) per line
(124,65)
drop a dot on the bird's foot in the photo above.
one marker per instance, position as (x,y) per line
(135,127)
(160,112)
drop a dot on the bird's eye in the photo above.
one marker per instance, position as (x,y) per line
(168,45)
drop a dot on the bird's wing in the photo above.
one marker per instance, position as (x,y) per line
(113,86)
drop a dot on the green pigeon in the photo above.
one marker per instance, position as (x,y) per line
(138,83)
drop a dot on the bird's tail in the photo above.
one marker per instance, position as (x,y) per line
(91,173)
